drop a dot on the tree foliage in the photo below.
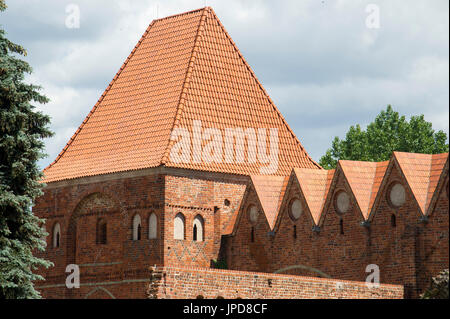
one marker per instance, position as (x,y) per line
(22,130)
(388,133)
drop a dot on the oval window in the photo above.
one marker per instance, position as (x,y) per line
(253,214)
(397,195)
(342,202)
(296,209)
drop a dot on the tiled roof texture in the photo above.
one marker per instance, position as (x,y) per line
(422,172)
(315,185)
(437,164)
(269,190)
(364,178)
(184,68)
(379,175)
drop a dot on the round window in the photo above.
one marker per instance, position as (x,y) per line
(296,209)
(342,202)
(253,213)
(397,195)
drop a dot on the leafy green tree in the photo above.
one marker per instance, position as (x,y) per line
(389,132)
(21,132)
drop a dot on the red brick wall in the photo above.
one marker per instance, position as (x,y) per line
(242,253)
(343,256)
(435,240)
(77,208)
(78,205)
(407,254)
(395,249)
(189,283)
(301,250)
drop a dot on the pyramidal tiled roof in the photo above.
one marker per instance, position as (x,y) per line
(314,185)
(422,172)
(184,68)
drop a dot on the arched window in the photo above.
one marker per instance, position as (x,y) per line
(198,232)
(137,227)
(56,235)
(178,227)
(152,226)
(101,232)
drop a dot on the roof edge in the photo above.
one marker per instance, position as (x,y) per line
(263,89)
(100,99)
(180,106)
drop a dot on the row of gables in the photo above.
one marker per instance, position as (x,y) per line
(353,184)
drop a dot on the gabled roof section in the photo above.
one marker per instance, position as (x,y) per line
(270,190)
(185,68)
(364,179)
(437,180)
(422,173)
(438,163)
(314,185)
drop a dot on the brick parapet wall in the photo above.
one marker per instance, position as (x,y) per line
(192,282)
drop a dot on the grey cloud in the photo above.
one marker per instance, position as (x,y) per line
(321,65)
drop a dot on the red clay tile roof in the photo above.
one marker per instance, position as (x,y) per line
(314,185)
(269,190)
(364,179)
(379,175)
(422,173)
(184,68)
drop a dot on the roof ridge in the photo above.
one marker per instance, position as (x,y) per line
(261,86)
(439,185)
(266,179)
(430,168)
(429,196)
(372,165)
(180,106)
(111,83)
(181,14)
(303,183)
(406,178)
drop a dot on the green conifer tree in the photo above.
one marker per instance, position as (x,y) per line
(22,130)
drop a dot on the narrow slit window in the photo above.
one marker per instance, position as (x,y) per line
(393,221)
(252,235)
(341,226)
(56,235)
(101,232)
(194,232)
(137,229)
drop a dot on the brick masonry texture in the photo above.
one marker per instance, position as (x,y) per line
(191,283)
(116,170)
(407,253)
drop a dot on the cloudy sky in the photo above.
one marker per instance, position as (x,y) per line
(320,63)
